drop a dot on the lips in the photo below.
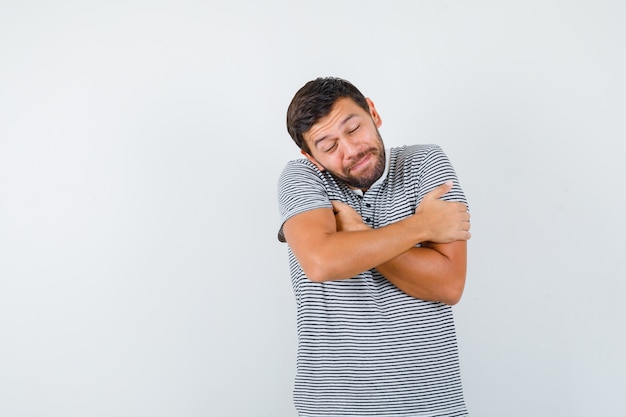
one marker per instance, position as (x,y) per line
(361,163)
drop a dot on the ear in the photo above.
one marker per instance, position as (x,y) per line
(378,121)
(313,160)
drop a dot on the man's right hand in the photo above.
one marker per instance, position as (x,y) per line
(442,221)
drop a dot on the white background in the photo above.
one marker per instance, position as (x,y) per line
(140,145)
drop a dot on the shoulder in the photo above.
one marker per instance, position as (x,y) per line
(415,156)
(298,171)
(415,151)
(300,165)
(424,167)
(301,187)
(301,179)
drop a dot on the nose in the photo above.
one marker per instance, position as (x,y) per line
(351,148)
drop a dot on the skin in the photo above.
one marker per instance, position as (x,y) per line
(333,244)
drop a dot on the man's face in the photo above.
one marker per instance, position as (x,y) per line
(347,144)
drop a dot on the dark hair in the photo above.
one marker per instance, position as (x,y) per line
(314,101)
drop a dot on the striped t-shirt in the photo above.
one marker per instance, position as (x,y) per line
(365,348)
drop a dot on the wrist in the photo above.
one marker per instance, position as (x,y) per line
(418,229)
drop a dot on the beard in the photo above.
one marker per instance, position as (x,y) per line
(366,179)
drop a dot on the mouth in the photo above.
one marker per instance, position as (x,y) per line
(361,163)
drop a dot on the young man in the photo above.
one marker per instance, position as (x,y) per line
(377,253)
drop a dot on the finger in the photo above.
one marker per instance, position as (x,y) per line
(337,204)
(438,192)
(459,206)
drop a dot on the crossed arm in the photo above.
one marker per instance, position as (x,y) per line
(336,244)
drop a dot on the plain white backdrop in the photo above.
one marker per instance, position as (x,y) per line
(140,145)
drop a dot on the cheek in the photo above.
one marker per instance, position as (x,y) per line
(333,163)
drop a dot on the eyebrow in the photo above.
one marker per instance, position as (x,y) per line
(343,122)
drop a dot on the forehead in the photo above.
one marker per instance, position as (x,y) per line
(340,113)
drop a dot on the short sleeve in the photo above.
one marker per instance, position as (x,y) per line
(434,169)
(301,187)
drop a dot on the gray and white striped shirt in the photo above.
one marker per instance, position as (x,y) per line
(365,348)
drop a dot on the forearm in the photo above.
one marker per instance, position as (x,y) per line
(331,245)
(435,273)
(341,255)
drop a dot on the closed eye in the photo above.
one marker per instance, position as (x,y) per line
(355,129)
(331,148)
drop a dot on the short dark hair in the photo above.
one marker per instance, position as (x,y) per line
(314,101)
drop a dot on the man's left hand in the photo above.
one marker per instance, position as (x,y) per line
(348,220)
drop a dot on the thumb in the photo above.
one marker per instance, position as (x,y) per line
(438,192)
